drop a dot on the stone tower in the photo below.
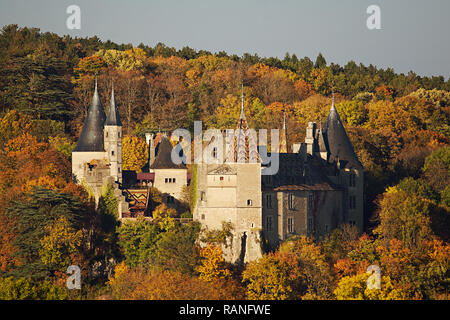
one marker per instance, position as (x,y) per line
(113,139)
(231,193)
(91,144)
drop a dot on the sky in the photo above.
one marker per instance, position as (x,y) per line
(414,34)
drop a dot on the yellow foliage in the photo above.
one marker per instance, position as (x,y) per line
(164,216)
(134,153)
(213,264)
(355,288)
(60,244)
(131,59)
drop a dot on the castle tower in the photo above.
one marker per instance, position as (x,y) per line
(90,145)
(113,139)
(351,172)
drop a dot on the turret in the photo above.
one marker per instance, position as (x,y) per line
(113,139)
(91,144)
(337,141)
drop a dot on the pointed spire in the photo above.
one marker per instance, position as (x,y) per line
(332,100)
(337,141)
(163,159)
(91,137)
(113,118)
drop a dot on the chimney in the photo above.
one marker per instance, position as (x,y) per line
(310,137)
(149,138)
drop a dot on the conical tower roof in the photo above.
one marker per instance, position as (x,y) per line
(113,118)
(163,159)
(337,141)
(91,138)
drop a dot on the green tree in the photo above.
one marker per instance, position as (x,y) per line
(138,241)
(33,216)
(177,249)
(320,61)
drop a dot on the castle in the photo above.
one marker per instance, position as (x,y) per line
(318,186)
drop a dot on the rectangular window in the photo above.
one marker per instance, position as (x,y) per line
(202,196)
(291,201)
(173,180)
(221,178)
(290,225)
(269,201)
(269,223)
(166,180)
(112,152)
(249,202)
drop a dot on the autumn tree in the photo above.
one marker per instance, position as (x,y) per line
(355,288)
(268,279)
(139,284)
(134,153)
(60,245)
(213,266)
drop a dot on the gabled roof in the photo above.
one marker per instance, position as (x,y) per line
(91,138)
(163,159)
(113,118)
(337,141)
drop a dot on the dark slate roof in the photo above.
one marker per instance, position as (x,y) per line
(309,175)
(91,138)
(163,159)
(113,118)
(337,141)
